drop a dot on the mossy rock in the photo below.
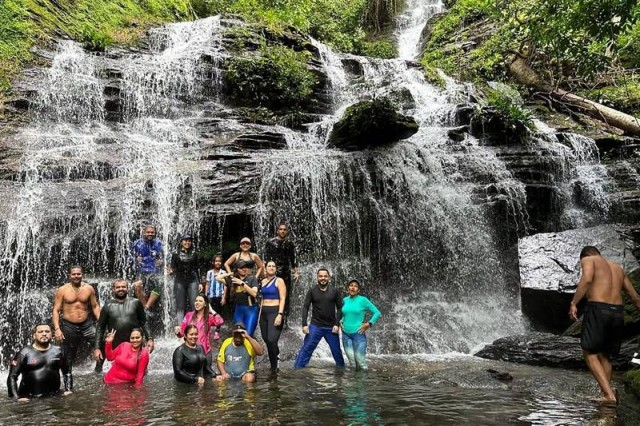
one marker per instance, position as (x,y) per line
(632,380)
(371,123)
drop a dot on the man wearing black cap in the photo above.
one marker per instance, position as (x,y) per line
(235,359)
(325,320)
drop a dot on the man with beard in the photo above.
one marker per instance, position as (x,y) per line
(325,320)
(283,252)
(75,299)
(40,365)
(121,314)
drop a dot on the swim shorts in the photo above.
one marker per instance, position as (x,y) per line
(602,328)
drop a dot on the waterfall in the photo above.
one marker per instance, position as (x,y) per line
(130,137)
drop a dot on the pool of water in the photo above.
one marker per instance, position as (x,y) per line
(426,390)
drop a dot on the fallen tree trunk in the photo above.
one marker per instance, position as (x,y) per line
(525,75)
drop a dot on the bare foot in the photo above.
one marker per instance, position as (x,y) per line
(605,401)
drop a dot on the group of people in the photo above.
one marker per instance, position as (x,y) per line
(123,337)
(257,290)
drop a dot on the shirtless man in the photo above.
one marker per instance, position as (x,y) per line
(75,299)
(602,282)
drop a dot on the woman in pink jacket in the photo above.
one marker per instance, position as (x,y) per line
(129,360)
(204,321)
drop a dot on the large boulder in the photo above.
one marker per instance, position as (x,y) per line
(550,351)
(550,270)
(369,124)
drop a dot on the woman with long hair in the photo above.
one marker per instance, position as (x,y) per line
(185,267)
(274,294)
(204,320)
(354,327)
(129,359)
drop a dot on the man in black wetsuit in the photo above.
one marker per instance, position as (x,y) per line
(283,252)
(40,365)
(121,314)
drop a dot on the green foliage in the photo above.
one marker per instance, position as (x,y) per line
(432,76)
(96,23)
(632,380)
(623,95)
(507,104)
(278,78)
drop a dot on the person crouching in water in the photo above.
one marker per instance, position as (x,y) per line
(129,360)
(235,359)
(204,322)
(189,360)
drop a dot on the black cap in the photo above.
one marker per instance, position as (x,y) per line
(239,327)
(186,237)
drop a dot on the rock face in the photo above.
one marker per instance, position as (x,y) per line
(549,350)
(371,123)
(550,269)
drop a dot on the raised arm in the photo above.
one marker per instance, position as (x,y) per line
(230,261)
(583,286)
(257,347)
(259,265)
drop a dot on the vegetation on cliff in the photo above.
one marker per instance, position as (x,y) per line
(357,26)
(586,47)
(96,23)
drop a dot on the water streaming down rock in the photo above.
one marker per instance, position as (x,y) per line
(131,137)
(410,25)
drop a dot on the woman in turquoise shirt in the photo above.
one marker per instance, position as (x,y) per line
(354,327)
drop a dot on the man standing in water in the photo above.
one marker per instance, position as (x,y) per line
(325,320)
(283,252)
(148,257)
(121,314)
(602,282)
(75,299)
(40,365)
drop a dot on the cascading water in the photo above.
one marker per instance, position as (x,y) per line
(116,143)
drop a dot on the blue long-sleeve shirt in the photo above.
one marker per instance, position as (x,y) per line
(149,251)
(354,310)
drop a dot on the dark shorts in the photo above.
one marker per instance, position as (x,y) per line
(602,328)
(151,282)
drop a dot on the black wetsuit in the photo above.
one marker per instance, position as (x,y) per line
(191,363)
(122,317)
(283,252)
(40,373)
(77,335)
(187,267)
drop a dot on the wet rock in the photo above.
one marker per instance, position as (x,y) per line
(502,376)
(463,113)
(548,350)
(266,140)
(353,66)
(458,134)
(550,270)
(371,123)
(492,127)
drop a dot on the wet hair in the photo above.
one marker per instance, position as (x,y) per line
(589,251)
(271,261)
(72,267)
(354,281)
(323,269)
(119,280)
(205,314)
(282,224)
(41,323)
(139,330)
(188,328)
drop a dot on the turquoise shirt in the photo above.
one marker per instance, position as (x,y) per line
(354,310)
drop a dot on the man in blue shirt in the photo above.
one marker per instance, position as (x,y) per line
(148,257)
